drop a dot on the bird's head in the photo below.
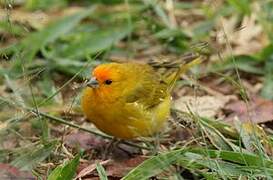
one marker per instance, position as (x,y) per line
(111,78)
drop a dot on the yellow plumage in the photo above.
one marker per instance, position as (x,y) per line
(128,100)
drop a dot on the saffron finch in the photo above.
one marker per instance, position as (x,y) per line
(129,100)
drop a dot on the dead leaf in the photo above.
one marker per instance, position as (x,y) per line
(248,38)
(119,169)
(258,110)
(10,172)
(84,140)
(36,19)
(10,142)
(250,133)
(179,134)
(114,169)
(3,125)
(123,151)
(87,170)
(205,106)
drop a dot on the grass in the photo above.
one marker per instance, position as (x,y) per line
(43,70)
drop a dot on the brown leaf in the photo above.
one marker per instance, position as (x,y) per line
(121,168)
(258,110)
(249,133)
(114,169)
(245,39)
(179,134)
(84,140)
(10,172)
(36,19)
(90,168)
(206,106)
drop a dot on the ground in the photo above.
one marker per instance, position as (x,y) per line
(221,121)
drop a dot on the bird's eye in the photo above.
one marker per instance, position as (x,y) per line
(108,81)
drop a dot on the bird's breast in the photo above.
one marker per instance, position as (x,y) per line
(121,119)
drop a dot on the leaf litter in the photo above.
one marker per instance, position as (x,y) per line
(245,35)
(9,172)
(257,110)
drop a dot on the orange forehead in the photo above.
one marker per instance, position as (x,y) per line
(112,71)
(102,72)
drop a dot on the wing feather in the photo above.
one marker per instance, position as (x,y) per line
(150,90)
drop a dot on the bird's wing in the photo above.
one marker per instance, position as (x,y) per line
(148,93)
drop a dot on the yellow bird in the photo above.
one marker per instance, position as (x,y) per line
(129,100)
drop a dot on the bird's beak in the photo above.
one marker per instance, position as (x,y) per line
(93,83)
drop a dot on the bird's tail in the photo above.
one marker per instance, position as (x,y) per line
(172,78)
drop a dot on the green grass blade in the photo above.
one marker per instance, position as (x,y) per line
(93,43)
(154,165)
(34,42)
(101,171)
(65,171)
(28,160)
(236,157)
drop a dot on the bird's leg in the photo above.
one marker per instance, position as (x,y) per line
(112,144)
(156,143)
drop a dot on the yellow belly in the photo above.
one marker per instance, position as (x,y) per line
(125,120)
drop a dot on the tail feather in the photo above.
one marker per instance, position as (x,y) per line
(182,69)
